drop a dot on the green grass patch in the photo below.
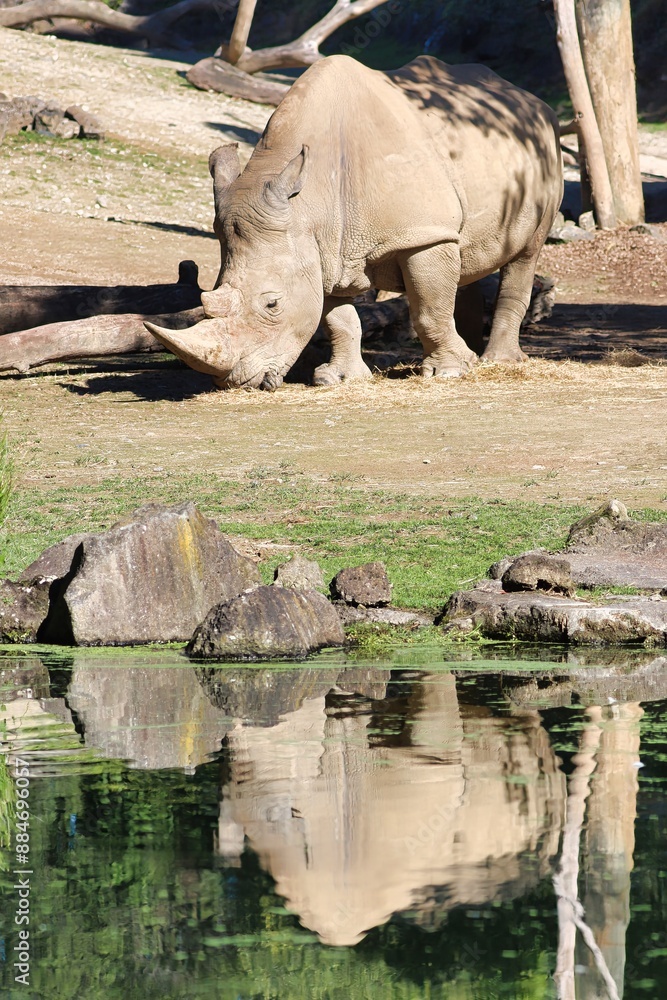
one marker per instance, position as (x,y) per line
(431,546)
(6,474)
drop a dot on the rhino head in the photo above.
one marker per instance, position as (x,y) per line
(267,301)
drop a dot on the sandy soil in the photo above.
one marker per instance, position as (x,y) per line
(130,209)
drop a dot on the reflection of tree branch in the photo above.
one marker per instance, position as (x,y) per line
(570,910)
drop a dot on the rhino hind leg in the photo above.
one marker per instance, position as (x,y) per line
(342,324)
(431,279)
(514,294)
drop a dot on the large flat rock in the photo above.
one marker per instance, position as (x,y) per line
(539,617)
(151,578)
(609,549)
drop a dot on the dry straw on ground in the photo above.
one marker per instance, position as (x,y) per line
(534,379)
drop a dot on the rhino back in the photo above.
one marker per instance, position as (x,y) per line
(503,147)
(365,139)
(424,154)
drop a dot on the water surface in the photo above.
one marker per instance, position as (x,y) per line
(352,829)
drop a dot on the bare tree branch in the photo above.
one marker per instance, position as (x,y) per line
(305,50)
(153,27)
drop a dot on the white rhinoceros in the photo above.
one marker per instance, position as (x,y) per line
(418,180)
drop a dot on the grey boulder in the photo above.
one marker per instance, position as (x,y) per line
(151,578)
(22,610)
(367,585)
(299,574)
(539,571)
(267,623)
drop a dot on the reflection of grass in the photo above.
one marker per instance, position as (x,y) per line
(7,796)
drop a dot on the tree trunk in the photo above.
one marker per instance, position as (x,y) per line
(215,74)
(26,306)
(605,29)
(99,336)
(241,31)
(575,74)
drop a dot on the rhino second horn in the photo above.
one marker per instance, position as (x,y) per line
(204,349)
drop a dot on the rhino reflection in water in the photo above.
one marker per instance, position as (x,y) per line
(353,831)
(414,181)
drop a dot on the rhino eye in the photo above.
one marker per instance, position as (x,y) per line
(272,304)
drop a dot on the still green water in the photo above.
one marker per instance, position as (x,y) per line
(341,829)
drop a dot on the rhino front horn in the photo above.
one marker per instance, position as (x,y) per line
(203,347)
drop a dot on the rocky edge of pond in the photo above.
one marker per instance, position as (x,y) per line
(168,574)
(532,596)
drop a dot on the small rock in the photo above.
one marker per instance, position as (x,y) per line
(599,524)
(569,233)
(22,611)
(646,229)
(47,120)
(367,584)
(496,571)
(539,572)
(91,127)
(267,623)
(559,221)
(587,221)
(151,578)
(66,129)
(299,574)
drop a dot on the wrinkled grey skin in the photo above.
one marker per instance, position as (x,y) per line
(419,181)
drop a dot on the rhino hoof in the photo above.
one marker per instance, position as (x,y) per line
(332,375)
(271,382)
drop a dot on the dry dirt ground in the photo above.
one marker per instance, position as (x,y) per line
(130,209)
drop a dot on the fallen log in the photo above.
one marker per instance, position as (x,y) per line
(215,74)
(25,306)
(154,27)
(98,336)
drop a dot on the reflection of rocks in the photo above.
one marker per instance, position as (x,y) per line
(353,833)
(153,717)
(588,686)
(19,674)
(263,695)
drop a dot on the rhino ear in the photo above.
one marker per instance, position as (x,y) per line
(224,166)
(289,182)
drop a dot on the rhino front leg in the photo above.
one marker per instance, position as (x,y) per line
(431,278)
(343,326)
(514,292)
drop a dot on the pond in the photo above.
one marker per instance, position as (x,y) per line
(412,826)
